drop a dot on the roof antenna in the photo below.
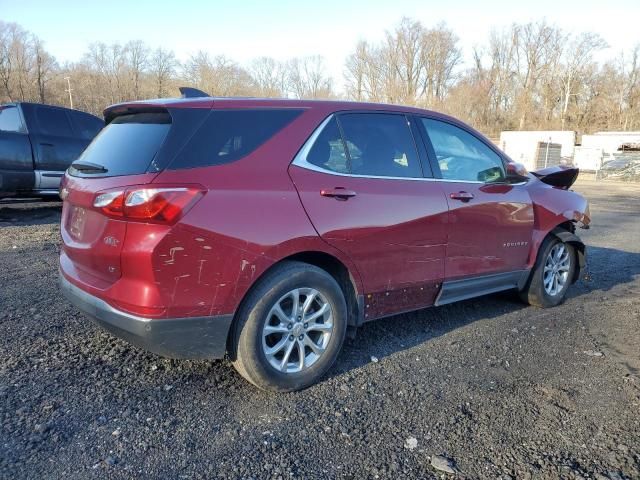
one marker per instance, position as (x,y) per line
(188,92)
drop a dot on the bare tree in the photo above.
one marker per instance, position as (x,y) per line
(137,55)
(630,91)
(364,74)
(414,65)
(44,65)
(269,76)
(308,78)
(406,60)
(537,47)
(578,60)
(163,69)
(218,76)
(21,52)
(531,75)
(440,56)
(6,60)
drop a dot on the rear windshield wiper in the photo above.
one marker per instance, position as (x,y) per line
(88,167)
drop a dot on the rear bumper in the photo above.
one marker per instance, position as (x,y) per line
(191,337)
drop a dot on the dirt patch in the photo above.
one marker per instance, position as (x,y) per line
(488,388)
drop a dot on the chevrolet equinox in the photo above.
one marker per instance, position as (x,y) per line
(264,229)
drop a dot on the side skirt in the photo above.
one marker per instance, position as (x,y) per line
(456,290)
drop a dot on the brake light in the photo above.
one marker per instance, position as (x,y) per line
(111,203)
(63,191)
(158,204)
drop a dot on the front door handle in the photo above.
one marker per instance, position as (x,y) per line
(339,193)
(462,196)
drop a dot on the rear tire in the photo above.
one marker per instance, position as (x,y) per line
(552,274)
(290,328)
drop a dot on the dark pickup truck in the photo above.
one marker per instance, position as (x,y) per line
(37,144)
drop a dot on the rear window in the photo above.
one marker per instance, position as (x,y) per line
(54,122)
(228,135)
(86,125)
(128,144)
(10,119)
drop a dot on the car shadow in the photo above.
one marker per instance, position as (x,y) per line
(607,268)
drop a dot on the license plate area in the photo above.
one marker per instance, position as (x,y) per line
(77,221)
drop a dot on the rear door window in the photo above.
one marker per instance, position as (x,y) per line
(10,120)
(54,122)
(328,150)
(128,144)
(380,144)
(229,135)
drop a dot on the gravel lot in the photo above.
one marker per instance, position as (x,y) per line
(499,389)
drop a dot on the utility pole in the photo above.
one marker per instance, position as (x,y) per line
(68,89)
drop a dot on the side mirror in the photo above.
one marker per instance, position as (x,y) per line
(516,173)
(516,169)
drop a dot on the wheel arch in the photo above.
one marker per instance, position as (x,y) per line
(343,275)
(346,278)
(566,233)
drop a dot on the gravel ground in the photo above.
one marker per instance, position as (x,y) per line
(487,388)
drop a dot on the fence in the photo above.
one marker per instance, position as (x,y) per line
(621,166)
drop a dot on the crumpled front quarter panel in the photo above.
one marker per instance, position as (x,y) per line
(552,207)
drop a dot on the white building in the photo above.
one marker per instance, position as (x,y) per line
(611,142)
(523,146)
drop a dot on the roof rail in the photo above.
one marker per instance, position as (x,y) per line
(188,92)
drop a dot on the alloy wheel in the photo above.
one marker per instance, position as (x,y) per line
(556,269)
(297,330)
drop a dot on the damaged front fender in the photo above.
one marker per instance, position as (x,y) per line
(580,216)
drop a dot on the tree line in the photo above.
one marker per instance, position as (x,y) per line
(525,76)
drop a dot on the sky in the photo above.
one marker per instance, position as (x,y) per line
(245,29)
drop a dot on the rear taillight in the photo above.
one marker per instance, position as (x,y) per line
(63,192)
(148,204)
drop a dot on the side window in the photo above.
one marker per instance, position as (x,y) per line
(380,144)
(53,121)
(86,125)
(462,156)
(328,150)
(10,120)
(229,135)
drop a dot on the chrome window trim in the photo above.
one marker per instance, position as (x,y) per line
(300,160)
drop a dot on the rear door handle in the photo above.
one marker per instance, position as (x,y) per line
(339,193)
(462,196)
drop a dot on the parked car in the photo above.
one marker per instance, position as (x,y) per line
(37,144)
(266,229)
(625,167)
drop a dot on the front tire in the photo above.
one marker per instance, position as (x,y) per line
(290,328)
(552,274)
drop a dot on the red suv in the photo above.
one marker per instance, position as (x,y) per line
(264,229)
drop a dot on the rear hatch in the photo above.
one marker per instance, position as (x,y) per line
(115,191)
(125,154)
